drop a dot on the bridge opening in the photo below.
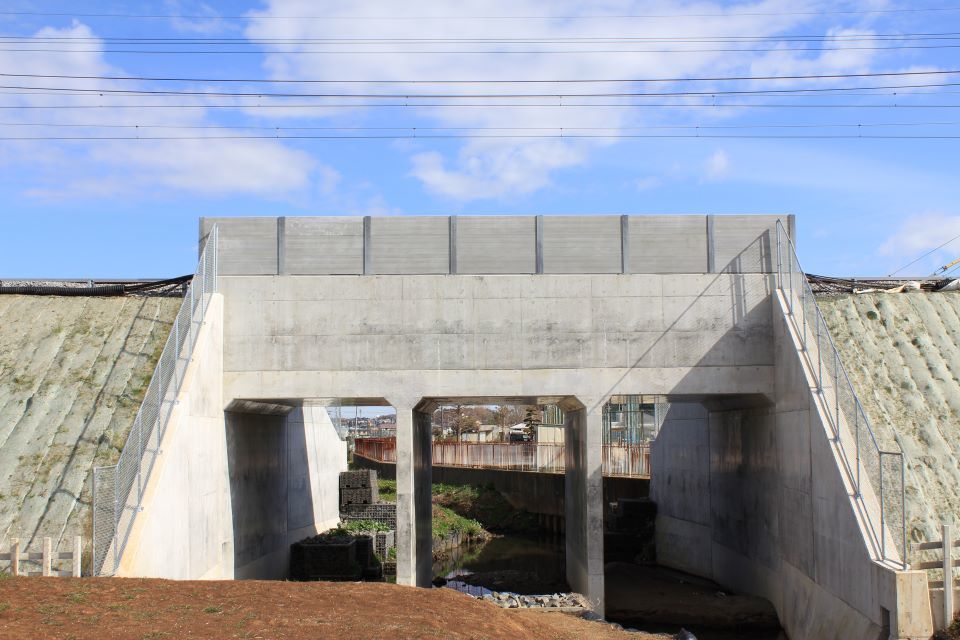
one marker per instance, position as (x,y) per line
(284,458)
(561,480)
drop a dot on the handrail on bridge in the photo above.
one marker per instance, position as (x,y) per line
(118,489)
(622,460)
(864,460)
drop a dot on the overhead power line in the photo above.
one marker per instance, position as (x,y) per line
(469,52)
(454,96)
(909,264)
(834,76)
(731,14)
(480,128)
(415,136)
(485,105)
(661,39)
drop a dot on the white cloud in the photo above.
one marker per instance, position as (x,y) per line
(919,234)
(260,167)
(494,170)
(509,167)
(102,169)
(208,21)
(717,166)
(647,182)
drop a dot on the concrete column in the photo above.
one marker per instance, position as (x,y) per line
(583,483)
(414,511)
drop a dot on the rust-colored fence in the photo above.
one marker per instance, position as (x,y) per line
(628,460)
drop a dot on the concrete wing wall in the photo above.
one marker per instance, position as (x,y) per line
(496,245)
(755,499)
(229,493)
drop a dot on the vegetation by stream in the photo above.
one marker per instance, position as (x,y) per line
(447,521)
(467,509)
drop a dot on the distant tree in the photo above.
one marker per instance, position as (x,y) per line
(532,420)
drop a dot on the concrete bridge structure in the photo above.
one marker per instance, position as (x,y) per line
(753,489)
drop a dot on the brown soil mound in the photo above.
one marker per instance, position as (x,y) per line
(114,608)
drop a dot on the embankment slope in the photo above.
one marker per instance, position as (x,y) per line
(73,371)
(902,352)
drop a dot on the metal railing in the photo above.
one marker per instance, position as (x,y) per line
(876,472)
(118,489)
(627,460)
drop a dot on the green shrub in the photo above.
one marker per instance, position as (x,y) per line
(364,526)
(388,490)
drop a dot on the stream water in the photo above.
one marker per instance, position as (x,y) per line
(536,566)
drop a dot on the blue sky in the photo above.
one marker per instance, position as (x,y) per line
(129,208)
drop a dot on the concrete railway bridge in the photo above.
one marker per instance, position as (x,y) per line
(764,475)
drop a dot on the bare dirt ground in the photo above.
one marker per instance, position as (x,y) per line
(140,609)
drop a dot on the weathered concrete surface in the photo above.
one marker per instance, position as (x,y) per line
(231,491)
(754,498)
(496,336)
(73,372)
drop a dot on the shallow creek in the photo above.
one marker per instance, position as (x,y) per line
(668,600)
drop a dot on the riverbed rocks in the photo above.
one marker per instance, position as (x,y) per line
(508,600)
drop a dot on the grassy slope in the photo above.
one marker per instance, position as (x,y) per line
(73,372)
(902,352)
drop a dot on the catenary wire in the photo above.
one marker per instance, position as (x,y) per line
(809,38)
(414,136)
(834,76)
(909,264)
(455,96)
(485,105)
(481,17)
(481,128)
(469,52)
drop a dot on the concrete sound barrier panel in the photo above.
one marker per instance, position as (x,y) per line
(323,245)
(581,244)
(496,244)
(668,244)
(410,244)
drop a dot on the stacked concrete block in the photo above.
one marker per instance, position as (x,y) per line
(325,558)
(362,479)
(383,541)
(358,487)
(383,512)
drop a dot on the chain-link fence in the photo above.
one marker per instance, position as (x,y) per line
(118,489)
(874,464)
